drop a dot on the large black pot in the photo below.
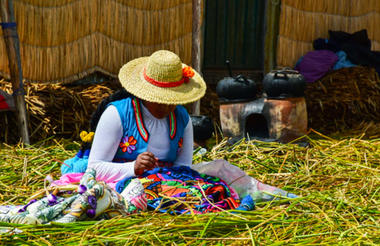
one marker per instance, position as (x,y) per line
(203,127)
(235,89)
(284,84)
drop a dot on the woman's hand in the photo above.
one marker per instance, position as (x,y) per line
(145,161)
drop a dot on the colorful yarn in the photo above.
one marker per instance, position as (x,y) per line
(165,187)
(87,137)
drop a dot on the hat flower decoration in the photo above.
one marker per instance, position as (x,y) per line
(187,73)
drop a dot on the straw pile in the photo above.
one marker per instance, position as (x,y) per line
(344,99)
(369,130)
(302,21)
(63,40)
(347,98)
(337,179)
(55,109)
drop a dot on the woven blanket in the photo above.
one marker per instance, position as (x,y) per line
(175,190)
(181,190)
(87,201)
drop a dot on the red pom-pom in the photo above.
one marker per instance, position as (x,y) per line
(187,73)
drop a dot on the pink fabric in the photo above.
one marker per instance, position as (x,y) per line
(72,178)
(140,202)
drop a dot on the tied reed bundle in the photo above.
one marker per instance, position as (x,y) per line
(337,180)
(95,35)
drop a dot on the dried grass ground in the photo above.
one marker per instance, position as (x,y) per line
(337,179)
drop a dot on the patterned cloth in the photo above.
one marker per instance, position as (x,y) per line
(180,189)
(95,200)
(175,190)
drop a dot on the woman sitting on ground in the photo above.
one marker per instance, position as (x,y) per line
(147,129)
(143,127)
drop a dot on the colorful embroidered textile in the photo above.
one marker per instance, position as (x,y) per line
(175,190)
(181,190)
(92,200)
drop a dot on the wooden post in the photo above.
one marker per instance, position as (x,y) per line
(272,16)
(13,49)
(196,46)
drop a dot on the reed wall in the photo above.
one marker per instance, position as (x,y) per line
(64,40)
(302,21)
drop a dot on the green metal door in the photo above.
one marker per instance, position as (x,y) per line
(234,30)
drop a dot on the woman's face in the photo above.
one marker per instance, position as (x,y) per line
(159,110)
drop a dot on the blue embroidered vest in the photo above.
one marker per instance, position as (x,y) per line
(135,136)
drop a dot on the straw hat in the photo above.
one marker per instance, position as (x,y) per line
(162,78)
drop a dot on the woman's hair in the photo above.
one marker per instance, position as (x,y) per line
(118,95)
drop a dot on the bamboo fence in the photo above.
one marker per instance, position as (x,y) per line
(65,40)
(302,21)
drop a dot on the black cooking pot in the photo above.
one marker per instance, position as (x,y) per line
(203,127)
(284,84)
(235,89)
